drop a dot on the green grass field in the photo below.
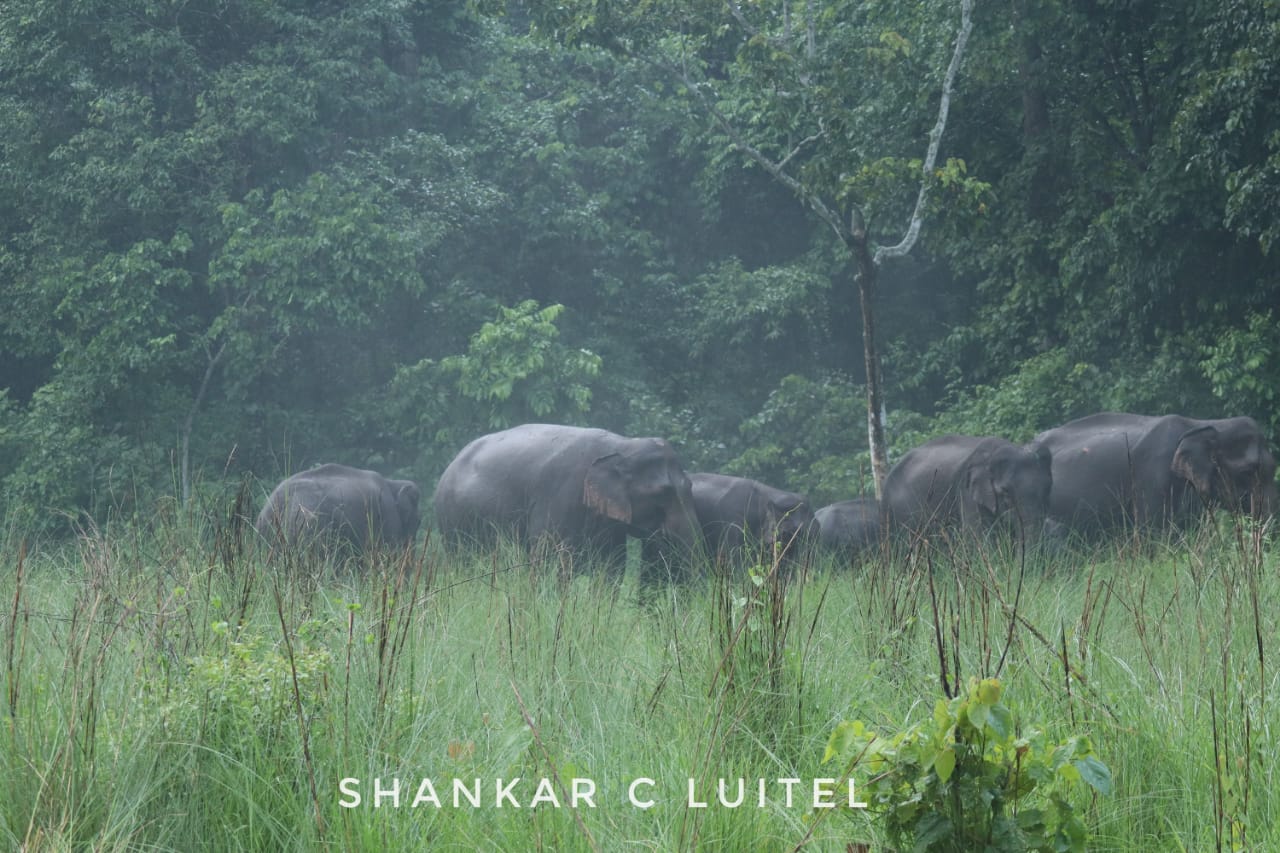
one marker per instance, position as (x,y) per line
(164,690)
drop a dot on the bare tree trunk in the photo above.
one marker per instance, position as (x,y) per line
(869,265)
(856,239)
(866,279)
(1035,105)
(1035,113)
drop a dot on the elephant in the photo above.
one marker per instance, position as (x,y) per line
(735,511)
(970,483)
(849,526)
(339,506)
(1115,470)
(587,488)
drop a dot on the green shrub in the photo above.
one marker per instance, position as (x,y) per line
(965,780)
(246,695)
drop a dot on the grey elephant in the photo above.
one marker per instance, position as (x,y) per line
(734,512)
(1115,470)
(339,506)
(851,526)
(587,488)
(970,483)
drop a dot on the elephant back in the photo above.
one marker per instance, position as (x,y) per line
(335,505)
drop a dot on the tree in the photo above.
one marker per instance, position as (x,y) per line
(515,370)
(203,215)
(225,227)
(1124,264)
(777,85)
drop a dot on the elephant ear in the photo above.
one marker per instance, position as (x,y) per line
(407,493)
(604,489)
(1193,460)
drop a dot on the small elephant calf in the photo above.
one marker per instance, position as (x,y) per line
(735,512)
(849,526)
(338,506)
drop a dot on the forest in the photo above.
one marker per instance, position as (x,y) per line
(238,239)
(765,238)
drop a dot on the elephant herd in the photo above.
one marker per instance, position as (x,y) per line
(590,489)
(1092,477)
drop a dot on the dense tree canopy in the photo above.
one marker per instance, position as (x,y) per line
(246,237)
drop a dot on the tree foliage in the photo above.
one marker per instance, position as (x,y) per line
(253,236)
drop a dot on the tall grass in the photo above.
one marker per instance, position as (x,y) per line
(170,689)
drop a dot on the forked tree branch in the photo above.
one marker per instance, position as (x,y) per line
(935,139)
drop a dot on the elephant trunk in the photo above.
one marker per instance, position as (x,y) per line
(1053,536)
(1264,502)
(1035,527)
(680,524)
(796,534)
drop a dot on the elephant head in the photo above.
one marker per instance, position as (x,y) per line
(790,521)
(1228,464)
(407,496)
(644,488)
(1011,482)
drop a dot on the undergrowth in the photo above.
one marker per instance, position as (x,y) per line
(171,689)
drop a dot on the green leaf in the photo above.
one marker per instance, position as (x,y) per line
(979,715)
(841,738)
(1000,721)
(930,828)
(942,716)
(1095,773)
(944,763)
